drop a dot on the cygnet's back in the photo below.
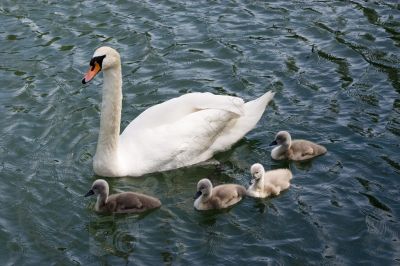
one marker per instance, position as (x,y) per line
(303,150)
(227,195)
(279,178)
(130,202)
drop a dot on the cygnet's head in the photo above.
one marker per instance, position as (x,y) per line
(103,58)
(99,187)
(281,138)
(257,171)
(204,187)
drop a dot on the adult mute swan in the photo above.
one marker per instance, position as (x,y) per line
(180,132)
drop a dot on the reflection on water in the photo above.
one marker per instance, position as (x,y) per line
(333,64)
(106,237)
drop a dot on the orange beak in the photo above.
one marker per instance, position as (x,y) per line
(92,72)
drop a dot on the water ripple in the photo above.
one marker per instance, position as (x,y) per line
(333,64)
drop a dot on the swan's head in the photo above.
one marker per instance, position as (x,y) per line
(282,138)
(257,172)
(204,187)
(103,58)
(99,187)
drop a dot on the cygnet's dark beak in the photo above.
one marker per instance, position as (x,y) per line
(90,193)
(273,143)
(198,194)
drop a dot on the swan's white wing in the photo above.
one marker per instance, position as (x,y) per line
(236,129)
(186,130)
(182,143)
(175,109)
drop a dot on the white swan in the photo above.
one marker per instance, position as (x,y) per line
(179,132)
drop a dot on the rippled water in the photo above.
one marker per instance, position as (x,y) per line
(334,65)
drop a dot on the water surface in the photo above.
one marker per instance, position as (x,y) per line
(334,65)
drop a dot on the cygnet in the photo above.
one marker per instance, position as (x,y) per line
(125,202)
(219,197)
(270,183)
(295,150)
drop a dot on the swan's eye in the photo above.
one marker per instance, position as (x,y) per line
(98,60)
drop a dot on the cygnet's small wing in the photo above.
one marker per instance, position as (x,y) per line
(304,150)
(271,189)
(229,194)
(130,202)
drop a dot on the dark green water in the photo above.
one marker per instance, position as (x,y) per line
(334,65)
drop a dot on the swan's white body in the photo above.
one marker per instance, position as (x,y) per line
(179,132)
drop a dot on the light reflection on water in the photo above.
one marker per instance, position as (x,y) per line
(334,66)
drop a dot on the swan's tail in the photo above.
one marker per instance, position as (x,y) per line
(236,130)
(254,109)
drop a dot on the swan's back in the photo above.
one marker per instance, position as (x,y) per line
(187,130)
(175,109)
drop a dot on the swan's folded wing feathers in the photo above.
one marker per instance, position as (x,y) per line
(207,100)
(175,109)
(197,134)
(179,133)
(185,142)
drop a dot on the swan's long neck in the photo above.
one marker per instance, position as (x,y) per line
(110,121)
